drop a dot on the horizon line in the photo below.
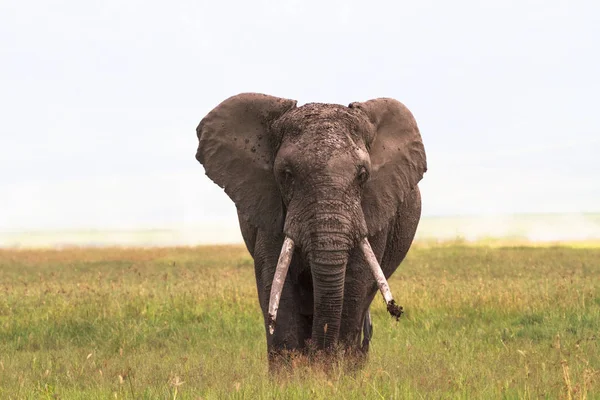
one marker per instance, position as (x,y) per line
(183,227)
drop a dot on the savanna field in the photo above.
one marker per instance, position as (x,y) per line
(480,322)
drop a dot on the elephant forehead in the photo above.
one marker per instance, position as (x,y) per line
(323,126)
(322,141)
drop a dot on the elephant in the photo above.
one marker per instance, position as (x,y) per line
(328,204)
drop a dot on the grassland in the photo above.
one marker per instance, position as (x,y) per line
(481,322)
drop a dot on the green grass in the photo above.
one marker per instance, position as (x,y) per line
(480,322)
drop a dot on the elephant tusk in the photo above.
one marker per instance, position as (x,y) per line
(394,309)
(285,257)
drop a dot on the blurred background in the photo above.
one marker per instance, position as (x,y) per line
(100,101)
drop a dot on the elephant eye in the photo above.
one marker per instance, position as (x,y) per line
(363,175)
(287,174)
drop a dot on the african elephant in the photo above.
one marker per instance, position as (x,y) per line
(328,206)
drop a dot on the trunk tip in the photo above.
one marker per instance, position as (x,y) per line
(271,323)
(394,309)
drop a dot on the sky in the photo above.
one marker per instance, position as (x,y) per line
(100,100)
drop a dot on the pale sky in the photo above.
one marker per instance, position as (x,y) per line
(100,100)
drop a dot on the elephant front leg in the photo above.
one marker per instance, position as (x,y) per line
(291,326)
(359,291)
(357,327)
(286,337)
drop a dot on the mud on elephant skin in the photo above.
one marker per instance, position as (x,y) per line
(328,204)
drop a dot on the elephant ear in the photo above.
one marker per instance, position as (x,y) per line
(237,148)
(398,159)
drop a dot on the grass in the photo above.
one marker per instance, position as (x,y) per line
(184,323)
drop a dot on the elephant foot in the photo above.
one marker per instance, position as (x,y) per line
(283,362)
(347,357)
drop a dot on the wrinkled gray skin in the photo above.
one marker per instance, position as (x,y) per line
(327,176)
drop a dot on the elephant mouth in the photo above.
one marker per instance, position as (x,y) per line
(285,258)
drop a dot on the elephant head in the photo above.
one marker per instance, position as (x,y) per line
(325,176)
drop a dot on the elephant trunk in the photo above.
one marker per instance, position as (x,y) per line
(329,243)
(328,274)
